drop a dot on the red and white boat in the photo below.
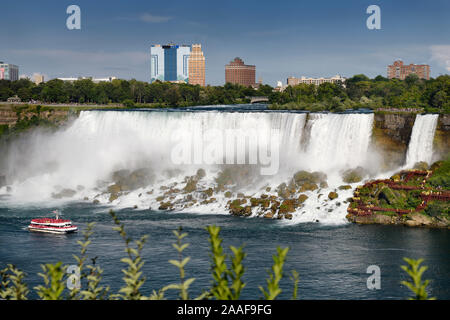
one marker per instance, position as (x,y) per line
(49,225)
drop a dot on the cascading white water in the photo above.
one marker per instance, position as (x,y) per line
(98,143)
(338,141)
(420,146)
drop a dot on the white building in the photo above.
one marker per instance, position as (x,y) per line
(95,80)
(292,81)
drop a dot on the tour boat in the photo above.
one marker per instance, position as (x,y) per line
(49,225)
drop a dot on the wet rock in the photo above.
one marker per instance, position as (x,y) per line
(114,189)
(302,198)
(165,205)
(209,192)
(283,191)
(238,175)
(269,215)
(323,184)
(200,173)
(422,165)
(345,187)
(236,208)
(287,206)
(228,194)
(332,195)
(353,175)
(307,186)
(113,197)
(191,185)
(417,219)
(95,201)
(127,180)
(65,193)
(303,176)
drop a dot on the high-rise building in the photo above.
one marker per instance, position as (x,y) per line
(400,71)
(169,62)
(38,78)
(197,65)
(239,73)
(9,71)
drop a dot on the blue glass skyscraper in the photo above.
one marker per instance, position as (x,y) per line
(169,62)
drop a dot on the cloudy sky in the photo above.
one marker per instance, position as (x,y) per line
(282,38)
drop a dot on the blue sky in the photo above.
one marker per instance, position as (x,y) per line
(282,38)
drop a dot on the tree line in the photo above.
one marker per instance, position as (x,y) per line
(128,92)
(358,91)
(361,92)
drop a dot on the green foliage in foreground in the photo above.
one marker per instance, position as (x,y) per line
(227,281)
(417,286)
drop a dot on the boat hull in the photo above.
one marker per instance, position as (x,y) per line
(54,231)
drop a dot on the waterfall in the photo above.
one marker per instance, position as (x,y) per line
(420,146)
(82,156)
(338,141)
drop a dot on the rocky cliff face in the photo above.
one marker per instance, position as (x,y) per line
(9,116)
(391,134)
(441,143)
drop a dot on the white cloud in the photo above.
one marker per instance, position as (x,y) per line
(150,18)
(441,54)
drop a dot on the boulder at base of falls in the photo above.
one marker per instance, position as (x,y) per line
(165,205)
(307,186)
(422,165)
(127,180)
(200,173)
(353,175)
(332,195)
(302,198)
(302,177)
(65,193)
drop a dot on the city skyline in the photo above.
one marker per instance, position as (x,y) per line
(292,39)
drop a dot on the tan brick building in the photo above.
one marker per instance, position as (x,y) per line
(237,72)
(197,65)
(400,71)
